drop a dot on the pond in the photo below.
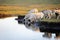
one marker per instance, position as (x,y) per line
(11,30)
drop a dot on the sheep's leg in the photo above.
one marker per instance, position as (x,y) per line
(46,16)
(58,16)
(47,34)
(49,16)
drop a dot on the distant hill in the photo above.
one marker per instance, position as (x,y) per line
(26,2)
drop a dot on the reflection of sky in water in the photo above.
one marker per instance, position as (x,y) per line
(11,30)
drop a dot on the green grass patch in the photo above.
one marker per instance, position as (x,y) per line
(51,20)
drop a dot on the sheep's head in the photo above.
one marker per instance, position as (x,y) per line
(29,23)
(30,19)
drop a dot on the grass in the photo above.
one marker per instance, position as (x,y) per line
(23,10)
(51,20)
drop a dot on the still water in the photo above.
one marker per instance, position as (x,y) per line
(11,30)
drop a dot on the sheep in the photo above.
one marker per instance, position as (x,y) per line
(32,16)
(48,13)
(57,13)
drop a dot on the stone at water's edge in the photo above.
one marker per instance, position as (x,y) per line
(52,27)
(20,19)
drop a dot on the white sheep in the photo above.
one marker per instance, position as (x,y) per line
(32,16)
(48,13)
(57,13)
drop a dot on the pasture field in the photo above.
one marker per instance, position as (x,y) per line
(15,10)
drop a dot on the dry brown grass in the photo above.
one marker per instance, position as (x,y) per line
(22,10)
